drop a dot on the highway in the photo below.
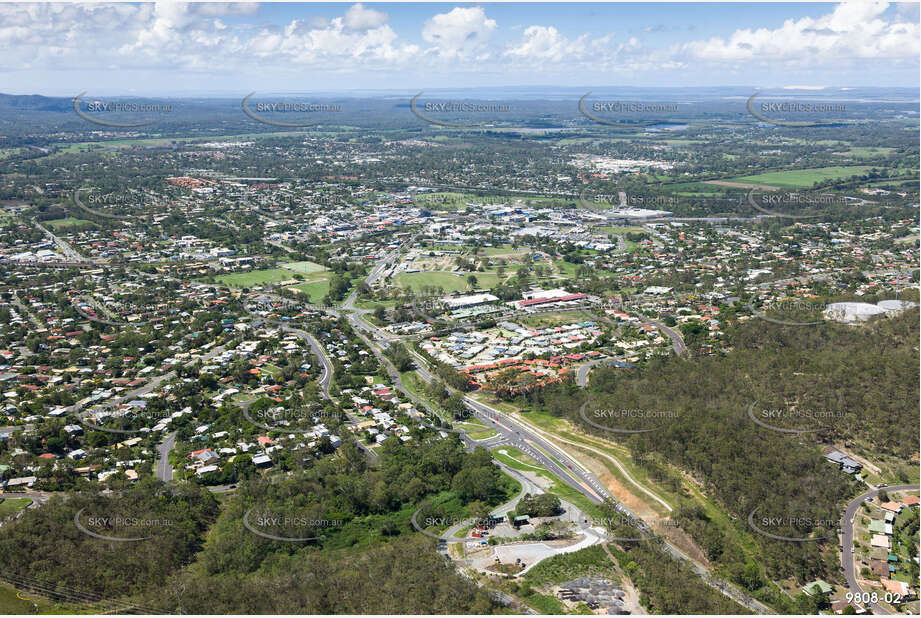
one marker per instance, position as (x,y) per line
(847,541)
(65,248)
(549,455)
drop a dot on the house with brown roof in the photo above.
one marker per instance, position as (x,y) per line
(895,507)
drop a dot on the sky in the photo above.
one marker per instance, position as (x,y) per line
(189,49)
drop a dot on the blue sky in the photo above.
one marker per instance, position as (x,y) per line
(228,48)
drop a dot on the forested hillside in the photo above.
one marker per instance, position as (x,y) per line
(697,414)
(363,554)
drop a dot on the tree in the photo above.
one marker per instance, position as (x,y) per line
(472,281)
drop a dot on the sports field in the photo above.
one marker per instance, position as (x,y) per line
(63,224)
(449,282)
(797,179)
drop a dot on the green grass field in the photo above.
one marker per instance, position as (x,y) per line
(256,277)
(315,290)
(449,282)
(11,506)
(797,179)
(513,458)
(63,224)
(304,267)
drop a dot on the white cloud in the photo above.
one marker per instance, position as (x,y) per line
(546,43)
(852,39)
(851,30)
(360,18)
(459,33)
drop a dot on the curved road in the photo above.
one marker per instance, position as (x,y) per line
(847,541)
(327,374)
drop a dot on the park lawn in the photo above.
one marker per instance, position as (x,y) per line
(11,506)
(545,604)
(504,250)
(304,267)
(694,188)
(794,179)
(68,222)
(589,561)
(449,282)
(255,277)
(449,200)
(374,304)
(567,269)
(315,290)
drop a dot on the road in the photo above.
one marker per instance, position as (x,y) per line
(318,350)
(26,312)
(378,270)
(164,470)
(582,373)
(675,336)
(566,468)
(65,248)
(847,541)
(677,340)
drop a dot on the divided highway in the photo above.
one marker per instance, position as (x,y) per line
(546,453)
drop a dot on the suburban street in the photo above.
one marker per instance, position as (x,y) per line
(164,470)
(847,541)
(327,374)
